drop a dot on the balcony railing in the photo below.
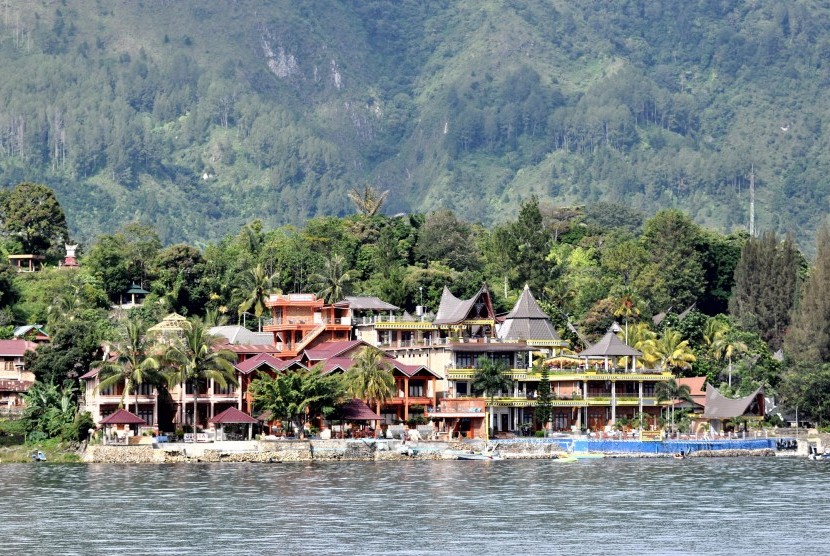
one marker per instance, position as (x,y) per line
(573,374)
(291,321)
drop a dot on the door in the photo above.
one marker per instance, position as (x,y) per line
(505,422)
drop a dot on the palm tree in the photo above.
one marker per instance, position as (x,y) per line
(627,308)
(299,395)
(369,377)
(332,281)
(490,377)
(255,288)
(368,201)
(132,363)
(670,390)
(641,337)
(195,358)
(673,351)
(722,342)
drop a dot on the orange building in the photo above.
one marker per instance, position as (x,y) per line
(301,320)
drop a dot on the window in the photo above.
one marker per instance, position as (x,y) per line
(648,389)
(146,414)
(144,389)
(227,390)
(416,390)
(461,388)
(561,421)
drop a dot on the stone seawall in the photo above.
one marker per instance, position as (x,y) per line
(123,454)
(349,450)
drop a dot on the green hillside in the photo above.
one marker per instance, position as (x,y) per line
(197,116)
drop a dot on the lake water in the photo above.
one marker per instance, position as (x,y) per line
(612,506)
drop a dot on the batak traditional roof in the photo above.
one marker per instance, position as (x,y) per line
(366,303)
(16,347)
(263,359)
(356,410)
(232,415)
(122,417)
(452,310)
(527,321)
(610,346)
(719,406)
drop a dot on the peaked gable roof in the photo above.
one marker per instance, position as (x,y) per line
(357,410)
(264,359)
(329,350)
(527,321)
(122,417)
(719,406)
(452,310)
(16,347)
(22,331)
(609,346)
(233,415)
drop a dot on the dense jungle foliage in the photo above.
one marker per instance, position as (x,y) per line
(196,117)
(741,310)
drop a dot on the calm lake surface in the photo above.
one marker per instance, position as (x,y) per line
(614,506)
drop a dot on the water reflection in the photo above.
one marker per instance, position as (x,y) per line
(591,506)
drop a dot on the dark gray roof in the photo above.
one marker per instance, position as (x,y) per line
(527,321)
(368,303)
(719,406)
(452,310)
(526,307)
(609,346)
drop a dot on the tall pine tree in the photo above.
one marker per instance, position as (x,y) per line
(808,338)
(766,285)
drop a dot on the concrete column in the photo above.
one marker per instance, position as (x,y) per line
(406,398)
(613,401)
(156,408)
(641,399)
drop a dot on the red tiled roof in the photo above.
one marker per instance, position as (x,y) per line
(250,348)
(250,365)
(15,385)
(410,370)
(696,384)
(16,347)
(232,415)
(122,417)
(336,364)
(356,410)
(328,350)
(91,374)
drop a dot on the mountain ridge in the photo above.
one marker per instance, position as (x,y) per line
(197,117)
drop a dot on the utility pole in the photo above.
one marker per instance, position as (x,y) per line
(752,201)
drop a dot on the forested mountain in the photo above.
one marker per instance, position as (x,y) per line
(197,116)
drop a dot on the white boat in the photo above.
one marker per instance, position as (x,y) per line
(484,456)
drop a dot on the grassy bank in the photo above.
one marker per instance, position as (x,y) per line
(14,450)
